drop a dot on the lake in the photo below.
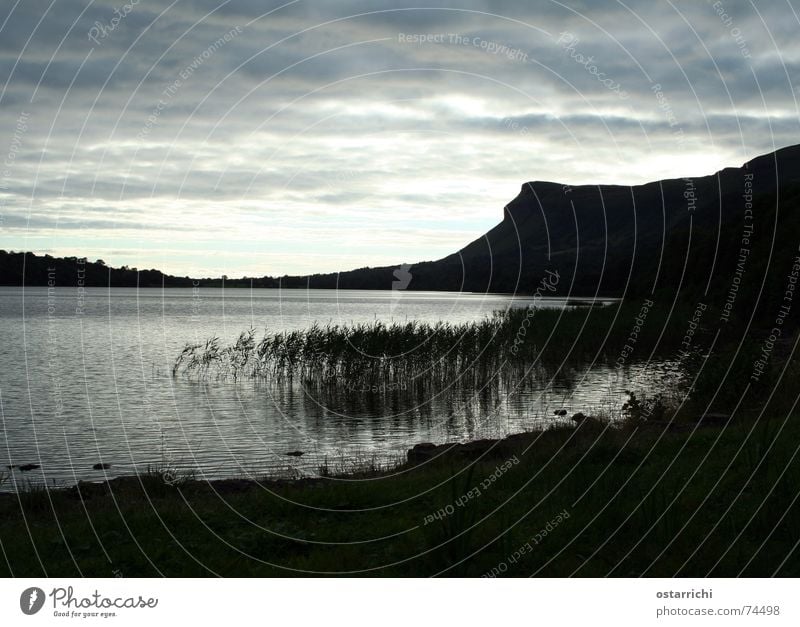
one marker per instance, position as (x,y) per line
(86,379)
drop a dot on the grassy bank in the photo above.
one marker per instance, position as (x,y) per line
(642,499)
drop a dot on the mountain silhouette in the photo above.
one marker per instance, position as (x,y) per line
(608,239)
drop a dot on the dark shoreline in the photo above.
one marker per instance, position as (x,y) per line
(469,452)
(620,497)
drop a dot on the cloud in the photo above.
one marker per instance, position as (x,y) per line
(395,131)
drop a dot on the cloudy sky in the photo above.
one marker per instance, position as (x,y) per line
(259,137)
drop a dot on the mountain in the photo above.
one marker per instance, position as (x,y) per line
(612,239)
(676,235)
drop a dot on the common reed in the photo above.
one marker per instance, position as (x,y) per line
(384,357)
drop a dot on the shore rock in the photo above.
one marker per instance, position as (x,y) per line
(422,452)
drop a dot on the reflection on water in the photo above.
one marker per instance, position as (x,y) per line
(83,389)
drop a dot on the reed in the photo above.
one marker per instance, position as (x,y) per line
(386,357)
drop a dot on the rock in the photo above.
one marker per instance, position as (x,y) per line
(84,490)
(296,453)
(422,452)
(425,451)
(101,466)
(27,467)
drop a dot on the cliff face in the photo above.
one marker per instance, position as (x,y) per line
(600,235)
(598,211)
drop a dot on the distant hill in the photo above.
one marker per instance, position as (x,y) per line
(601,239)
(28,269)
(613,240)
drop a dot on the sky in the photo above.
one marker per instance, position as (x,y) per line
(246,137)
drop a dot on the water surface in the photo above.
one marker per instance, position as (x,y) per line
(86,379)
